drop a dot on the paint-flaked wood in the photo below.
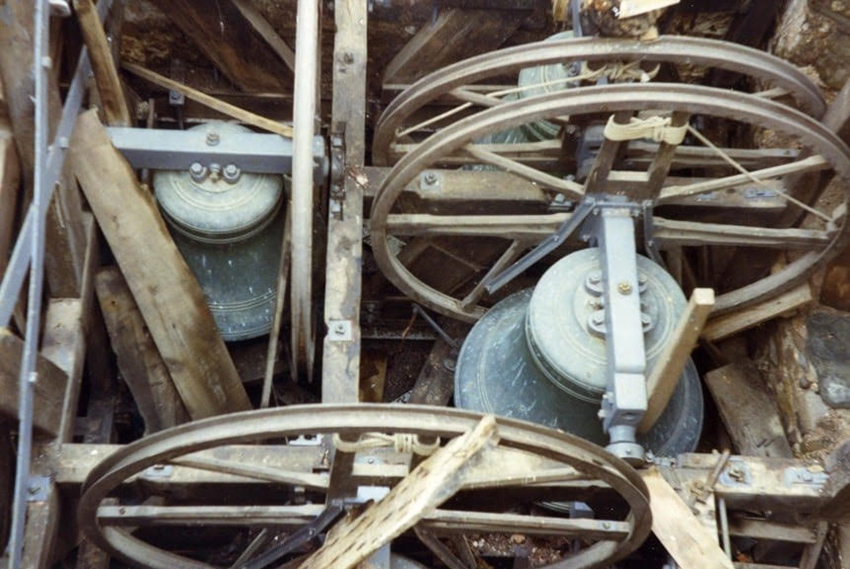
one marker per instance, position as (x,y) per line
(167,293)
(430,484)
(690,544)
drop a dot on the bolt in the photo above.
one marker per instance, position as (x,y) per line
(624,288)
(213,138)
(370,460)
(598,318)
(606,525)
(560,199)
(198,172)
(348,57)
(449,364)
(231,173)
(595,277)
(215,172)
(339,328)
(642,278)
(33,490)
(430,178)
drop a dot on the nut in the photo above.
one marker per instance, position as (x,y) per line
(624,287)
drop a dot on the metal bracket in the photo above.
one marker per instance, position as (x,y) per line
(800,475)
(38,488)
(736,474)
(340,331)
(612,228)
(544,247)
(337,171)
(158,471)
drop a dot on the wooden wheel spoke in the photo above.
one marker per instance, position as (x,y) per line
(238,516)
(671,233)
(573,189)
(510,255)
(258,472)
(517,227)
(450,521)
(811,164)
(638,153)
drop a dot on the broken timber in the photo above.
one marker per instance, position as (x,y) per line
(430,484)
(165,289)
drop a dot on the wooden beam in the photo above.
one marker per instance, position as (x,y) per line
(49,389)
(227,38)
(662,381)
(430,484)
(169,297)
(211,102)
(748,410)
(138,359)
(344,253)
(42,530)
(737,322)
(266,31)
(690,544)
(454,35)
(103,66)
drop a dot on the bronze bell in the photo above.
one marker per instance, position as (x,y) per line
(228,225)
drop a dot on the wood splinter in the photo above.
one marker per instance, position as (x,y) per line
(430,484)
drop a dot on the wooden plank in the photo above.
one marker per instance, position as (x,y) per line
(343,272)
(454,35)
(737,322)
(430,484)
(103,66)
(49,389)
(748,410)
(690,544)
(210,101)
(227,38)
(664,378)
(41,531)
(168,295)
(141,365)
(837,488)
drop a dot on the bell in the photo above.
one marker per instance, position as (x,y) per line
(539,355)
(228,226)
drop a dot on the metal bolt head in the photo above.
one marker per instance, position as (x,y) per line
(430,178)
(348,57)
(198,172)
(213,138)
(624,288)
(231,173)
(560,199)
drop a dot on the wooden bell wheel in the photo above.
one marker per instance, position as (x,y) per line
(674,182)
(285,470)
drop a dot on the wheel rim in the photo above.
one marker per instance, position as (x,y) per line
(584,457)
(713,102)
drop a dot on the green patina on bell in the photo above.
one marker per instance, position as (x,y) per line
(228,225)
(540,355)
